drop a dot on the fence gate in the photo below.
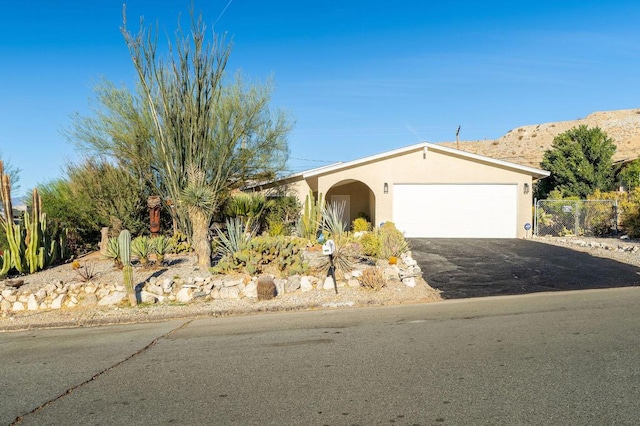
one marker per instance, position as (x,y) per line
(576,217)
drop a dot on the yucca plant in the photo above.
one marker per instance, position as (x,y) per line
(142,247)
(333,219)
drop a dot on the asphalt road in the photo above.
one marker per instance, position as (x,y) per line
(463,268)
(548,358)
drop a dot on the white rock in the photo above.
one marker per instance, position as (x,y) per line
(409,281)
(5,306)
(90,289)
(6,293)
(18,306)
(292,284)
(154,289)
(251,290)
(185,295)
(89,299)
(280,286)
(57,302)
(148,297)
(230,293)
(305,283)
(328,284)
(41,294)
(113,298)
(32,303)
(354,283)
(232,282)
(167,285)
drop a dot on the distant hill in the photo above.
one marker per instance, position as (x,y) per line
(526,145)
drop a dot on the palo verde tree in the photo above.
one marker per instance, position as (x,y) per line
(580,161)
(197,133)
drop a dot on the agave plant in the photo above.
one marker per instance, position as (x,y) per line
(235,238)
(142,247)
(112,252)
(161,246)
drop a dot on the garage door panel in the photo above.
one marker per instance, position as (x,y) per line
(455,211)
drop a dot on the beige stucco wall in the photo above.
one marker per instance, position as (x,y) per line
(422,166)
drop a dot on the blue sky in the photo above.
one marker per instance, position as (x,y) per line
(358,77)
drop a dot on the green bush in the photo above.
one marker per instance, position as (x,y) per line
(371,243)
(360,225)
(393,243)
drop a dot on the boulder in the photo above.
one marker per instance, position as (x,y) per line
(251,290)
(112,299)
(306,284)
(229,292)
(89,299)
(292,284)
(185,295)
(57,302)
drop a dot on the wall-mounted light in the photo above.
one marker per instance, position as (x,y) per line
(526,188)
(386,188)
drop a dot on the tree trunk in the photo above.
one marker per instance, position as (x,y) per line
(201,243)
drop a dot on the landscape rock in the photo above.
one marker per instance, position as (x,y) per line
(112,299)
(306,284)
(293,284)
(185,295)
(57,302)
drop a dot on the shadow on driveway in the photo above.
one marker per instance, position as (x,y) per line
(462,268)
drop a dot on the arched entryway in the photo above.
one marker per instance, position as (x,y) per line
(358,197)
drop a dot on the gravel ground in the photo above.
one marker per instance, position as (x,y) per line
(185,266)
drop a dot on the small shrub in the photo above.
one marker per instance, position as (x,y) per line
(372,278)
(361,225)
(86,272)
(370,244)
(276,227)
(344,258)
(393,242)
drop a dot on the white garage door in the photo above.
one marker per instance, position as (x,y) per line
(455,211)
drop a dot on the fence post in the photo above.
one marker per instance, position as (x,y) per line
(535,216)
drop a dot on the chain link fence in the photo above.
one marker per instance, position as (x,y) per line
(590,218)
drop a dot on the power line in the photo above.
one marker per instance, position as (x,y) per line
(314,161)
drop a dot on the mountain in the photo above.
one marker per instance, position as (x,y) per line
(526,145)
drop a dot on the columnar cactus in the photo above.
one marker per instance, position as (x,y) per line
(124,246)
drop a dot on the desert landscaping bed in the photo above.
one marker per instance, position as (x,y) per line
(62,297)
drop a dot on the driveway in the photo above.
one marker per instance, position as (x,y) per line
(462,268)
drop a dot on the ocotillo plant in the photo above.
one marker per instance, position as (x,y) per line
(124,245)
